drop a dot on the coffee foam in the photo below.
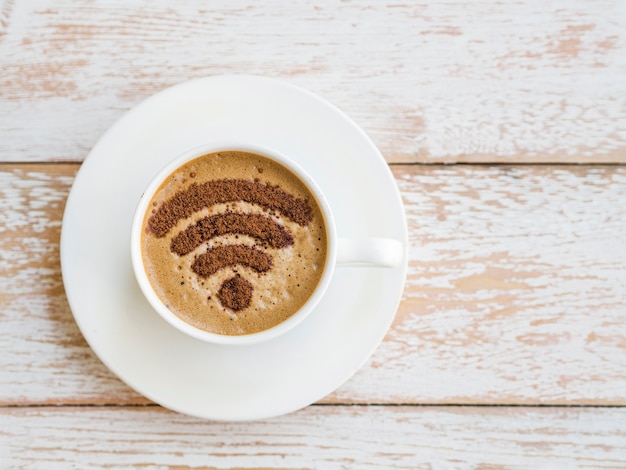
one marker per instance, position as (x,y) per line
(276,294)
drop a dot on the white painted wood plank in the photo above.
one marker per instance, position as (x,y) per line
(43,353)
(317,437)
(515,292)
(437,82)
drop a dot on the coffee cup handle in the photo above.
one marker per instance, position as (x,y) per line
(383,252)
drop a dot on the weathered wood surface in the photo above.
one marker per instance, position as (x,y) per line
(316,437)
(429,81)
(515,294)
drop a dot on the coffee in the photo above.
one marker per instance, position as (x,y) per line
(233,243)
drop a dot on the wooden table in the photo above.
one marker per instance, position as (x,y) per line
(505,126)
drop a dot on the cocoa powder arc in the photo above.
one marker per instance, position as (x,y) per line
(234,243)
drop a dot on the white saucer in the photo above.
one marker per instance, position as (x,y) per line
(185,374)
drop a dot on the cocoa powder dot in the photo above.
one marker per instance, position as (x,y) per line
(235,293)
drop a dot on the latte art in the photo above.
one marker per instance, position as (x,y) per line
(234,244)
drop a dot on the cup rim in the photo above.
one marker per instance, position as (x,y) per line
(137,258)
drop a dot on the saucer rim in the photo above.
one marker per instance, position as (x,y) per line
(66,248)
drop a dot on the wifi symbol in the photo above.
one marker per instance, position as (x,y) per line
(236,292)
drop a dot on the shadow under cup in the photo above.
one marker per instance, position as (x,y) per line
(223,236)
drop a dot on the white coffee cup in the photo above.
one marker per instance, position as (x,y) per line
(382,252)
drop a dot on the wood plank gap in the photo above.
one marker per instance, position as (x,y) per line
(470,405)
(41,163)
(391,164)
(510,164)
(331,405)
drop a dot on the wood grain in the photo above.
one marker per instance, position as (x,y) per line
(43,353)
(499,81)
(516,292)
(317,437)
(509,347)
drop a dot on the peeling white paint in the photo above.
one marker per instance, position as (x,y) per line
(517,284)
(511,272)
(402,437)
(515,291)
(444,81)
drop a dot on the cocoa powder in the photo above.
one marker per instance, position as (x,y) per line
(224,256)
(260,227)
(235,293)
(200,195)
